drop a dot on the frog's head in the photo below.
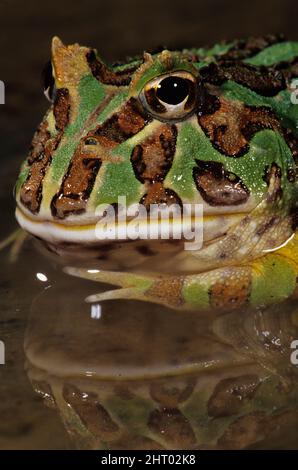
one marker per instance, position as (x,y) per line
(171,127)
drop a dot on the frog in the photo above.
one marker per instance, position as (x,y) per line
(212,126)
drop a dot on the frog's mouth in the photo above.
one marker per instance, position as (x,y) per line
(204,226)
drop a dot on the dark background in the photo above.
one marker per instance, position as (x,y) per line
(117,29)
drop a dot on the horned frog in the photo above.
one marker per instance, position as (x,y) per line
(216,127)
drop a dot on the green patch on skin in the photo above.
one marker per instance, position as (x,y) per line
(118,180)
(234,91)
(209,55)
(194,293)
(113,106)
(62,158)
(281,52)
(266,147)
(273,280)
(180,177)
(91,93)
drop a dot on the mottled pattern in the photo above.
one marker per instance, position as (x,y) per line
(264,81)
(152,159)
(233,291)
(233,125)
(77,185)
(130,120)
(171,291)
(79,180)
(102,73)
(42,148)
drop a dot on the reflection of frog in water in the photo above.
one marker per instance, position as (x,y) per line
(154,379)
(210,126)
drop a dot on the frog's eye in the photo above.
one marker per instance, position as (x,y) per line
(170,96)
(48,79)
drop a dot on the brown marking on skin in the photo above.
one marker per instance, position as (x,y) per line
(152,159)
(256,426)
(207,103)
(40,155)
(39,140)
(231,395)
(61,108)
(217,186)
(157,194)
(168,290)
(31,190)
(245,48)
(273,170)
(121,126)
(173,427)
(274,220)
(76,186)
(288,68)
(107,76)
(263,80)
(132,118)
(171,393)
(230,292)
(232,126)
(92,414)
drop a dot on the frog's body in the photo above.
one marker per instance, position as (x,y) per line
(215,127)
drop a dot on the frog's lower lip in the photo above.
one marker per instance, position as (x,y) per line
(56,232)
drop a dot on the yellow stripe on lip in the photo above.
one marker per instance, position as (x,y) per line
(208,217)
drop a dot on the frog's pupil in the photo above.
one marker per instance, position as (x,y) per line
(173,90)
